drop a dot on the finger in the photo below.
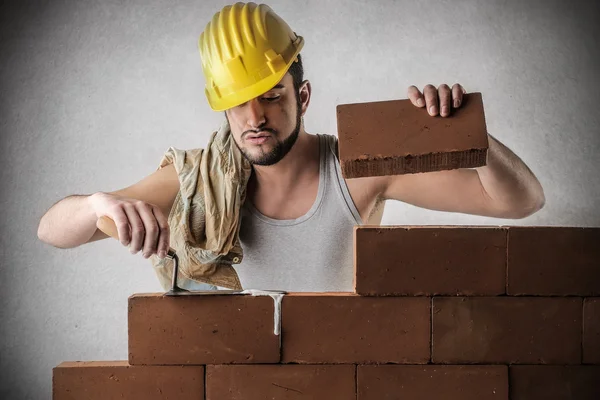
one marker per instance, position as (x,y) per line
(150,229)
(164,235)
(415,96)
(137,229)
(431,99)
(122,223)
(445,96)
(457,94)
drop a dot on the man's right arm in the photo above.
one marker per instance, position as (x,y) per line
(136,209)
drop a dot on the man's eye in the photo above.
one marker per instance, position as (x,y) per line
(271,98)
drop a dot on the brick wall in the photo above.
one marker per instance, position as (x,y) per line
(438,313)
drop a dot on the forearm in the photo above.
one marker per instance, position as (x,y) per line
(509,183)
(69,223)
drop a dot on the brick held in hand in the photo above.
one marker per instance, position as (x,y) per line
(282,382)
(344,328)
(465,382)
(207,329)
(107,380)
(429,260)
(396,137)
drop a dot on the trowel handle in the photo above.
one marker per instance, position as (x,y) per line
(108,226)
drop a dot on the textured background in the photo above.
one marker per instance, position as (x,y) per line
(93,93)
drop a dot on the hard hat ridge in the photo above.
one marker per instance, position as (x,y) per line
(245,49)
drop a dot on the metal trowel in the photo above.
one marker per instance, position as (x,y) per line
(108,226)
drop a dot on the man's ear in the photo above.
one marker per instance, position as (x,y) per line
(305,92)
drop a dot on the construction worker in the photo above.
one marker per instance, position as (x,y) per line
(297,219)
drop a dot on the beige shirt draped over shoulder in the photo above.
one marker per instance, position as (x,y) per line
(205,218)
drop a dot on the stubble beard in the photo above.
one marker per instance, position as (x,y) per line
(281,149)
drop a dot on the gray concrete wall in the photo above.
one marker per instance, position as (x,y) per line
(93,93)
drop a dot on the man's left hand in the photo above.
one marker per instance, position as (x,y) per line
(438,99)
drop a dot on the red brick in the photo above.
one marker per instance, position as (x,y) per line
(554,261)
(513,330)
(108,380)
(553,382)
(416,382)
(334,328)
(396,137)
(448,260)
(591,331)
(208,329)
(281,382)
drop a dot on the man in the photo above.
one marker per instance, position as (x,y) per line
(296,229)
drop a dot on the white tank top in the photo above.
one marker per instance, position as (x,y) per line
(311,253)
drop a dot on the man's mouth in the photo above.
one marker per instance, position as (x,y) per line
(258,138)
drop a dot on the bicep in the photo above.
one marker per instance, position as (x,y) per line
(458,190)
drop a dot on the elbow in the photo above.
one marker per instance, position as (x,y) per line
(41,232)
(520,206)
(536,203)
(44,235)
(526,209)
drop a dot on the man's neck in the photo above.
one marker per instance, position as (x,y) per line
(300,163)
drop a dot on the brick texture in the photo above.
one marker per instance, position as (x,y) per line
(112,380)
(209,329)
(396,137)
(448,260)
(507,330)
(281,382)
(415,382)
(345,328)
(559,261)
(550,382)
(591,331)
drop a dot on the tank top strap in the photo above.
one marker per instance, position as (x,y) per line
(335,178)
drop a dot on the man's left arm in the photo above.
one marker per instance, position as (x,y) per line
(504,188)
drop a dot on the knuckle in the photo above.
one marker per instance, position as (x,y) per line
(141,204)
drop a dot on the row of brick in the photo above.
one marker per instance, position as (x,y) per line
(338,328)
(466,261)
(118,380)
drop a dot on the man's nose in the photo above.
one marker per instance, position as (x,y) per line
(256,114)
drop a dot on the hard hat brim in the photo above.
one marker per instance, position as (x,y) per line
(254,90)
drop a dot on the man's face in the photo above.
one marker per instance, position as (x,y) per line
(266,127)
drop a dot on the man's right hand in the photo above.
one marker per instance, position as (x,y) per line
(140,225)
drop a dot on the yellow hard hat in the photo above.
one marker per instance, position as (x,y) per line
(245,49)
